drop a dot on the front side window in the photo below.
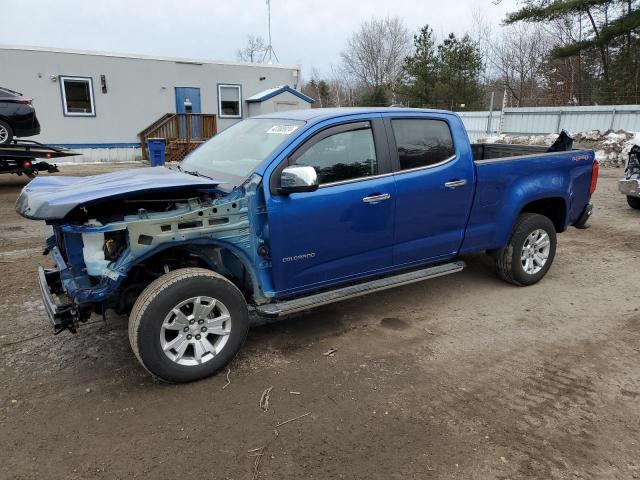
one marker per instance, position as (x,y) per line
(229,101)
(422,142)
(342,156)
(77,96)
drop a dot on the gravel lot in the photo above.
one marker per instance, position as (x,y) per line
(458,377)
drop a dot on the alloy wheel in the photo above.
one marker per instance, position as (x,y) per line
(4,134)
(195,331)
(535,251)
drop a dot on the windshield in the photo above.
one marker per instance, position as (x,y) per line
(234,153)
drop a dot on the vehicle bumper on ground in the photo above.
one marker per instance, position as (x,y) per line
(630,187)
(62,315)
(584,217)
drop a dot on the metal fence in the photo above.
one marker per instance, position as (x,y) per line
(544,120)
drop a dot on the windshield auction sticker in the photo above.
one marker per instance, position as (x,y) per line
(283,129)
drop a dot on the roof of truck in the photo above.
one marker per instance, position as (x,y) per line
(317,114)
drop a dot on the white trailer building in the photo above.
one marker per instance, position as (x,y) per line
(100,103)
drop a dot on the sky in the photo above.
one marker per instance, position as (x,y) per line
(303,32)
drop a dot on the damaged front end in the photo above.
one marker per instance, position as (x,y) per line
(108,250)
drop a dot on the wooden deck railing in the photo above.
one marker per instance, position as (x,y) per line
(186,130)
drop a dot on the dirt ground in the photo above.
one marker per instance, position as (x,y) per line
(458,377)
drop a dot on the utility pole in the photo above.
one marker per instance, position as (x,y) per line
(489,120)
(269,53)
(504,105)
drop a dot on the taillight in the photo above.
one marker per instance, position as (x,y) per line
(594,177)
(24,101)
(26,164)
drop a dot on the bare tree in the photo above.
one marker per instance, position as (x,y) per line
(375,54)
(344,89)
(518,56)
(253,52)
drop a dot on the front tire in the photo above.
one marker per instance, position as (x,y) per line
(6,133)
(634,202)
(188,324)
(530,251)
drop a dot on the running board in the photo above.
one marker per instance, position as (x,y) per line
(344,293)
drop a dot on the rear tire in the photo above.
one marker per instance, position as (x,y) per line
(188,324)
(530,251)
(634,202)
(6,133)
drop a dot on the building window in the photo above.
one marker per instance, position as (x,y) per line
(229,101)
(77,96)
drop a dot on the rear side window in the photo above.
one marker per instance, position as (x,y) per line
(422,142)
(342,156)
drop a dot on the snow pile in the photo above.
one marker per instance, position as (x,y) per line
(611,148)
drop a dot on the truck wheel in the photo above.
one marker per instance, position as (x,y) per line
(530,251)
(188,324)
(6,133)
(634,202)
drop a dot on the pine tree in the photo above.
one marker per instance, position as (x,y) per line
(612,34)
(421,69)
(324,94)
(444,76)
(459,65)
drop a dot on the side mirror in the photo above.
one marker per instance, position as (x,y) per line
(298,178)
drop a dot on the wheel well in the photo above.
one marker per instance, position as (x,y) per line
(217,259)
(553,208)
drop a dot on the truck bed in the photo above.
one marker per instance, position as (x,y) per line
(509,176)
(492,151)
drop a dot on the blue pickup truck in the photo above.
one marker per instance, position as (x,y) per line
(288,211)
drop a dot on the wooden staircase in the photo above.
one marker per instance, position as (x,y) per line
(183,132)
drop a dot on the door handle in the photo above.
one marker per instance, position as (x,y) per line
(455,183)
(376,198)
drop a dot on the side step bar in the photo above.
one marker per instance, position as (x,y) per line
(324,298)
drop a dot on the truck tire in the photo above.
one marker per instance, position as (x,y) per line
(634,202)
(6,133)
(188,324)
(530,251)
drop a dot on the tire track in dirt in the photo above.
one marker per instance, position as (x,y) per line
(556,409)
(542,406)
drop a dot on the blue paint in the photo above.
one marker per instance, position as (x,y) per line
(193,95)
(80,287)
(505,187)
(431,219)
(329,237)
(156,147)
(190,93)
(283,89)
(52,197)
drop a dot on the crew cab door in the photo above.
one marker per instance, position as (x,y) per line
(434,187)
(344,229)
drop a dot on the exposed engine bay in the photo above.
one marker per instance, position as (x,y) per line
(107,252)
